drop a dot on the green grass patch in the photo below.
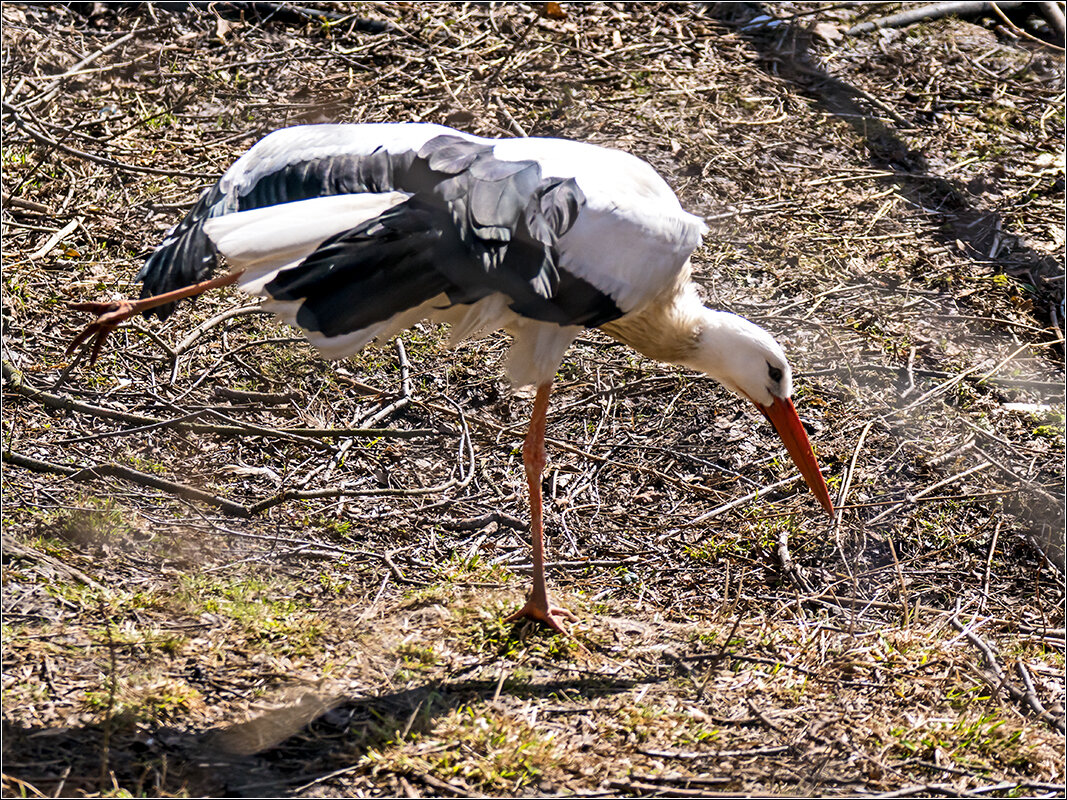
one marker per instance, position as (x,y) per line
(264,610)
(494,752)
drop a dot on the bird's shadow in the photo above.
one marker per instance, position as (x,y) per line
(274,753)
(965,217)
(785,51)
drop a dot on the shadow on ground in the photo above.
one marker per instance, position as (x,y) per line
(785,50)
(307,737)
(962,224)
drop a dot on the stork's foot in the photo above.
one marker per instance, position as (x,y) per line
(540,610)
(109,316)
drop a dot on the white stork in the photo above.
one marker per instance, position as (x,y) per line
(353,233)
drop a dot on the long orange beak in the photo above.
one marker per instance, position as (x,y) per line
(784,418)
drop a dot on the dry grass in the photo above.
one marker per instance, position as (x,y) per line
(225,606)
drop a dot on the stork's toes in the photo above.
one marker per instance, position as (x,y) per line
(545,613)
(109,315)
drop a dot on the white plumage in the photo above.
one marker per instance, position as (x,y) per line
(355,232)
(626,204)
(629,207)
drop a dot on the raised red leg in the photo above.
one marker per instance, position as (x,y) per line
(109,315)
(533,458)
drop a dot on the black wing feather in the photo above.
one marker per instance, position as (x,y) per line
(187,255)
(366,275)
(475,225)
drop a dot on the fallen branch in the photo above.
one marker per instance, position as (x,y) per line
(405,387)
(1055,20)
(1051,636)
(751,752)
(477,523)
(19,550)
(931,12)
(229,506)
(40,137)
(27,205)
(55,239)
(439,785)
(1053,14)
(204,327)
(294,13)
(910,499)
(789,566)
(995,677)
(567,447)
(89,59)
(670,784)
(763,490)
(52,87)
(96,471)
(260,398)
(326,494)
(13,380)
(645,789)
(815,675)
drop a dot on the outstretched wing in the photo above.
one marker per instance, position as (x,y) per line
(443,215)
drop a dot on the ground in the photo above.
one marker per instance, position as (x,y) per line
(232,568)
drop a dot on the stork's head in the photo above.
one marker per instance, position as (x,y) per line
(749,362)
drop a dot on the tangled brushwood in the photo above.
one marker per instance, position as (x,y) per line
(231,567)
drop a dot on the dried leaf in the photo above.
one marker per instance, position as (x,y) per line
(222,27)
(828,32)
(553,11)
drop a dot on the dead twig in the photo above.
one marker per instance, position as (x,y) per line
(260,398)
(763,490)
(27,205)
(396,572)
(55,239)
(989,564)
(14,548)
(55,80)
(516,44)
(40,137)
(97,471)
(405,387)
(846,484)
(995,677)
(713,754)
(13,379)
(440,785)
(913,497)
(791,569)
(477,523)
(112,680)
(1055,19)
(931,11)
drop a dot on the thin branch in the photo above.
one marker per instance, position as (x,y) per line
(996,678)
(930,12)
(913,497)
(13,379)
(55,239)
(40,137)
(1026,34)
(98,471)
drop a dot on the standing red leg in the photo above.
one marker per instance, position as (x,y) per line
(533,458)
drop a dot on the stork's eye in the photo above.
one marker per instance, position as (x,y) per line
(774,372)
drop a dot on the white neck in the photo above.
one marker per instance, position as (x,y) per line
(724,346)
(667,329)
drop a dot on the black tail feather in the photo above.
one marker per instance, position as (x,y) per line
(187,255)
